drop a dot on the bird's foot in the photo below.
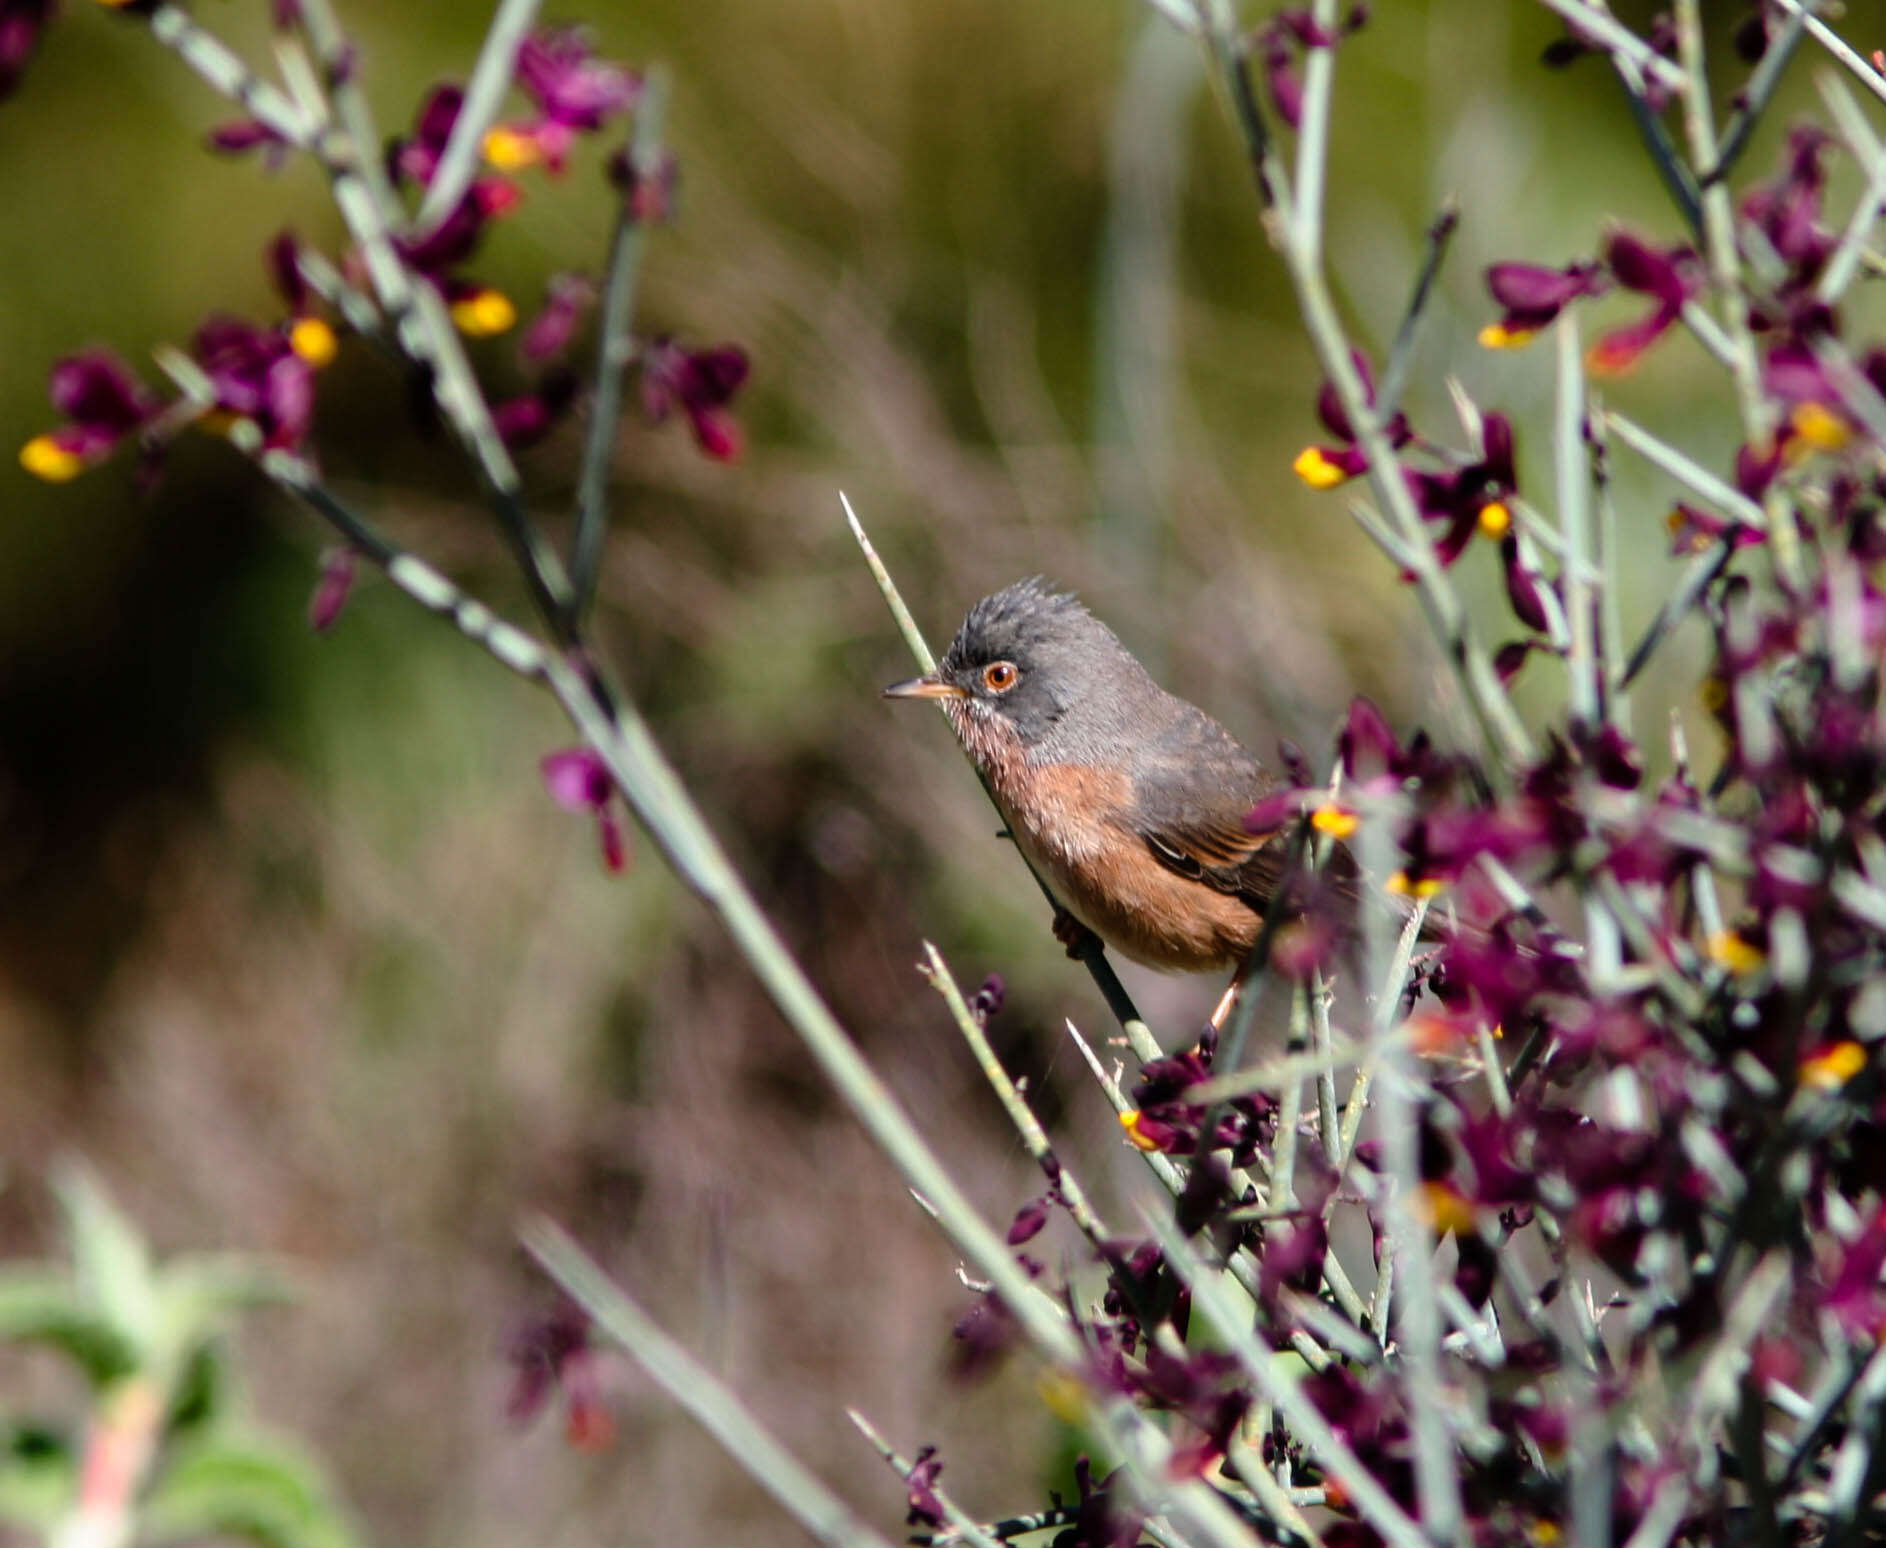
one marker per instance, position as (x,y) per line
(1071,933)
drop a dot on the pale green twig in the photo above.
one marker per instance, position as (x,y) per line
(484,94)
(963,1525)
(615,347)
(692,1386)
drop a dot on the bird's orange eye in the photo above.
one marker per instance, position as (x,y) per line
(1000,676)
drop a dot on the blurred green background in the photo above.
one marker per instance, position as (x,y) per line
(294,946)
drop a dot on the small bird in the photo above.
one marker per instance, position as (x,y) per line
(1127,800)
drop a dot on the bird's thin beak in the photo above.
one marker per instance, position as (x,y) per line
(924,688)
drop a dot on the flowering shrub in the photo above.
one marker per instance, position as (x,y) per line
(1603,1098)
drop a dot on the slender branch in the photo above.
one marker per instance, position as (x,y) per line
(1273,1378)
(1013,1102)
(614,349)
(1677,178)
(1700,482)
(1446,615)
(1606,30)
(964,1526)
(226,72)
(1319,76)
(484,95)
(1756,96)
(1838,46)
(1725,269)
(1845,261)
(1572,464)
(690,1385)
(367,203)
(1401,352)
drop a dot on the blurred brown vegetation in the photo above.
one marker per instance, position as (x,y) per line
(293,945)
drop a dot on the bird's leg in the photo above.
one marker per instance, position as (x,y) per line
(1226,1000)
(1071,933)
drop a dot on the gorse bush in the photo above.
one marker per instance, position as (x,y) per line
(1560,1213)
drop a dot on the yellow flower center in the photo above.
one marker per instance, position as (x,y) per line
(1064,1396)
(1316,470)
(1338,822)
(1130,1121)
(483,313)
(1832,1068)
(509,151)
(1446,1210)
(1496,335)
(1495,519)
(44,457)
(313,340)
(1402,887)
(1738,955)
(1819,426)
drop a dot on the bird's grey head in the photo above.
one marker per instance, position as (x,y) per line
(1034,658)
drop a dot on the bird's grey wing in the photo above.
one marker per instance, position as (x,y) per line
(1193,789)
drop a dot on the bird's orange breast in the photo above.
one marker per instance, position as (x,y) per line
(1075,824)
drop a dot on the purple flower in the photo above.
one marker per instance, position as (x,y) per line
(1028,1221)
(1531,297)
(1324,467)
(575,92)
(553,1354)
(925,1508)
(102,403)
(526,419)
(243,135)
(332,590)
(415,157)
(1474,498)
(1787,211)
(566,298)
(457,235)
(1669,276)
(579,781)
(257,375)
(1693,530)
(21,22)
(701,383)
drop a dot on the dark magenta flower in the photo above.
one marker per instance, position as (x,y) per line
(332,590)
(566,299)
(415,157)
(1669,276)
(1473,497)
(21,22)
(1531,297)
(579,781)
(575,92)
(701,383)
(920,1490)
(526,419)
(1694,530)
(1787,211)
(102,401)
(553,1355)
(242,135)
(1028,1222)
(309,334)
(1324,467)
(1578,42)
(457,235)
(256,375)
